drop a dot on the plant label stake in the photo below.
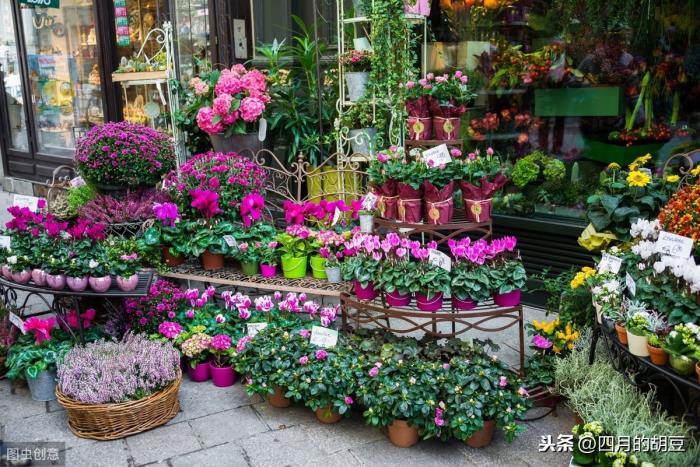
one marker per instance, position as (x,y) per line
(255,328)
(24,201)
(369,201)
(440,259)
(5,241)
(323,337)
(17,321)
(230,241)
(674,245)
(437,156)
(77,182)
(336,216)
(631,285)
(610,263)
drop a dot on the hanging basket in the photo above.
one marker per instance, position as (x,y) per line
(115,421)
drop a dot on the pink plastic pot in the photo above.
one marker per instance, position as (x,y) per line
(39,277)
(127,284)
(199,373)
(56,281)
(467,304)
(6,272)
(222,377)
(268,270)
(434,303)
(397,299)
(77,284)
(22,277)
(507,299)
(365,293)
(100,284)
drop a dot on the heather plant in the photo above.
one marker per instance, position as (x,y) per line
(124,154)
(107,372)
(136,206)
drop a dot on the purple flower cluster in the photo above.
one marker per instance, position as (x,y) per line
(124,154)
(480,251)
(161,304)
(136,206)
(112,372)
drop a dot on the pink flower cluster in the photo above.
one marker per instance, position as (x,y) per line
(392,247)
(393,153)
(238,302)
(480,251)
(41,328)
(169,329)
(220,342)
(166,213)
(321,213)
(197,301)
(251,208)
(88,316)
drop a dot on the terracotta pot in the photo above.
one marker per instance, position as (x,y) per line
(127,284)
(56,281)
(328,415)
(77,284)
(483,437)
(211,261)
(22,277)
(401,434)
(39,277)
(278,400)
(170,259)
(657,355)
(100,284)
(621,333)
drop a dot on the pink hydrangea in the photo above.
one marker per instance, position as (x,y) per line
(169,329)
(222,104)
(251,108)
(200,87)
(229,83)
(205,117)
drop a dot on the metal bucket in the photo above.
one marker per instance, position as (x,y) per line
(43,387)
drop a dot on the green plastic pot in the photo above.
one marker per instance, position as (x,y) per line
(318,267)
(294,267)
(250,268)
(683,365)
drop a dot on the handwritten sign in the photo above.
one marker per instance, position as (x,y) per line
(336,216)
(674,245)
(255,328)
(369,201)
(17,321)
(24,201)
(437,156)
(231,241)
(631,285)
(610,263)
(77,181)
(440,259)
(323,337)
(5,241)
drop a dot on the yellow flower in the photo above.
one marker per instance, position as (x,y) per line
(695,172)
(570,346)
(638,178)
(672,178)
(556,349)
(613,166)
(578,280)
(640,161)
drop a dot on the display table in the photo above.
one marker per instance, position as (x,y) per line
(457,228)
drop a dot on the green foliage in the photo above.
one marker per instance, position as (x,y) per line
(430,280)
(397,277)
(208,237)
(574,305)
(80,196)
(26,358)
(508,276)
(361,267)
(471,281)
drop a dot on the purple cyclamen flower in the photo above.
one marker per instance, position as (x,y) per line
(374,372)
(321,354)
(303,360)
(541,342)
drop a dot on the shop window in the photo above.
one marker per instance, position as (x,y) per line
(12,79)
(191,28)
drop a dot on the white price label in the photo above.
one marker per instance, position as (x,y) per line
(323,337)
(262,129)
(440,259)
(17,321)
(436,156)
(674,245)
(631,285)
(610,263)
(255,328)
(230,241)
(369,201)
(336,216)
(5,241)
(77,181)
(24,201)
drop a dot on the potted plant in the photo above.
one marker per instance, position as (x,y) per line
(657,354)
(295,245)
(360,121)
(681,344)
(508,275)
(209,244)
(222,373)
(480,178)
(438,187)
(269,258)
(249,256)
(356,65)
(99,278)
(397,273)
(417,7)
(361,265)
(77,271)
(125,267)
(470,275)
(432,283)
(55,267)
(33,357)
(194,345)
(8,336)
(19,267)
(167,233)
(420,126)
(409,208)
(332,252)
(638,327)
(98,408)
(449,97)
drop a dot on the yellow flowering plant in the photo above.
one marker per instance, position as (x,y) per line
(554,336)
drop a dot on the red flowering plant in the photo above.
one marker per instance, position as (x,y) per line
(417,93)
(480,177)
(212,186)
(38,350)
(82,243)
(449,94)
(507,120)
(681,215)
(28,239)
(331,246)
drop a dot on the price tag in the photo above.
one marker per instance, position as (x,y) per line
(631,285)
(369,201)
(440,259)
(336,216)
(17,321)
(77,181)
(674,245)
(231,241)
(255,328)
(610,263)
(262,129)
(24,201)
(5,241)
(323,337)
(436,156)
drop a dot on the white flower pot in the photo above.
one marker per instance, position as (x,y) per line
(357,84)
(366,223)
(637,344)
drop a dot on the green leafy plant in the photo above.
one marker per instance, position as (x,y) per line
(431,280)
(398,276)
(27,357)
(683,340)
(360,267)
(296,242)
(79,196)
(508,276)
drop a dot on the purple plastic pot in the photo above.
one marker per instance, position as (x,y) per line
(222,377)
(268,270)
(127,284)
(396,299)
(77,284)
(199,373)
(100,284)
(39,277)
(56,281)
(466,304)
(507,299)
(365,293)
(6,272)
(433,303)
(22,277)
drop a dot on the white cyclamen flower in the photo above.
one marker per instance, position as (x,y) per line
(93,264)
(12,260)
(659,267)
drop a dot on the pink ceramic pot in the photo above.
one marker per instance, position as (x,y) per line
(6,272)
(222,377)
(365,293)
(127,284)
(56,281)
(199,373)
(396,299)
(39,277)
(466,304)
(77,284)
(22,277)
(433,303)
(100,284)
(507,299)
(268,270)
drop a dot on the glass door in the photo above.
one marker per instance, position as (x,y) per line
(14,114)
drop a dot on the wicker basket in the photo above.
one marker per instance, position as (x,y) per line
(114,421)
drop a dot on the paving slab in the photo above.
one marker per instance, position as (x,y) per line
(339,459)
(43,427)
(17,406)
(277,419)
(162,443)
(227,426)
(349,433)
(201,399)
(425,453)
(223,455)
(291,446)
(99,454)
